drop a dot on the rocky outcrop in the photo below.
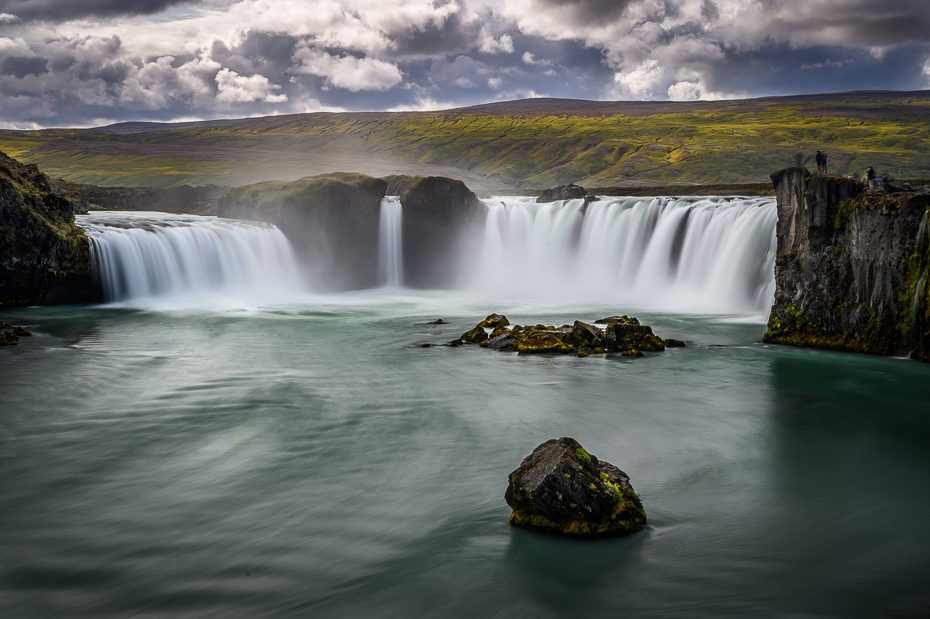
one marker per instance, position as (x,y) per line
(331,220)
(183,199)
(620,334)
(10,335)
(441,219)
(563,192)
(561,488)
(852,265)
(44,257)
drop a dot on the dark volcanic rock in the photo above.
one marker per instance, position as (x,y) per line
(44,257)
(563,192)
(441,219)
(182,199)
(494,320)
(475,336)
(332,221)
(620,334)
(561,488)
(851,266)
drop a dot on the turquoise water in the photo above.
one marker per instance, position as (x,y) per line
(307,459)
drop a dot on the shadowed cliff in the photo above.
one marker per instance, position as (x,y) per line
(851,270)
(44,257)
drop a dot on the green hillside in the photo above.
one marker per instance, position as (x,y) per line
(526,144)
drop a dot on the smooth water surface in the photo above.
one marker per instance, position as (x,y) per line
(308,460)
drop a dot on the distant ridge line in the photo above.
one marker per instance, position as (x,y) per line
(550,105)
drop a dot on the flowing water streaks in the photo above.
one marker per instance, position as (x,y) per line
(704,254)
(143,255)
(390,244)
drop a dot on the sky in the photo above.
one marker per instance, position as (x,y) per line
(80,63)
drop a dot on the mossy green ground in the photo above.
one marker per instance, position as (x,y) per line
(736,142)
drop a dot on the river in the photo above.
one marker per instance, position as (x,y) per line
(296,454)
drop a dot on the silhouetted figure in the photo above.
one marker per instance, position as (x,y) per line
(870,176)
(823,162)
(818,162)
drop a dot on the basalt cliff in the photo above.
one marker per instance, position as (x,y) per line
(852,265)
(44,257)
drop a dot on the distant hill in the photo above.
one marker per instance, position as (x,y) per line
(508,146)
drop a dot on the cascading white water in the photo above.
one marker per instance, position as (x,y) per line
(390,244)
(145,255)
(684,254)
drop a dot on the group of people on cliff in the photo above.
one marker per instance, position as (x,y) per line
(820,162)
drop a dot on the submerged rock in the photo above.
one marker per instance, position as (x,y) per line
(673,343)
(9,335)
(561,488)
(432,323)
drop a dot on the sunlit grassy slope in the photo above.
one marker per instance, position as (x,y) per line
(525,144)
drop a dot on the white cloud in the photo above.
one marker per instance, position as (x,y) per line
(685,91)
(490,45)
(6,18)
(15,47)
(348,72)
(233,88)
(495,82)
(530,58)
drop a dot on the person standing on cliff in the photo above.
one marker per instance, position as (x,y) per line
(870,176)
(818,162)
(823,162)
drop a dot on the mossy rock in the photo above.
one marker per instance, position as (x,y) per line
(494,321)
(475,336)
(561,488)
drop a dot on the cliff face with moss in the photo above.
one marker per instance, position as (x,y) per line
(852,265)
(44,257)
(331,220)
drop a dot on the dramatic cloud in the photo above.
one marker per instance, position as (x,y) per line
(58,11)
(92,61)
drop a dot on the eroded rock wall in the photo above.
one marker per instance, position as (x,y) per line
(442,220)
(331,220)
(44,257)
(851,269)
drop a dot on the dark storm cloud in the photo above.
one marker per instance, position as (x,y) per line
(589,12)
(709,10)
(252,57)
(778,69)
(452,36)
(21,67)
(64,10)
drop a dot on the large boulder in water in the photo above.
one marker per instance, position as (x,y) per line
(44,256)
(561,488)
(442,218)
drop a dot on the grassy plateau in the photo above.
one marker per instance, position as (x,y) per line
(508,146)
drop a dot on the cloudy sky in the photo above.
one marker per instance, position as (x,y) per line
(92,62)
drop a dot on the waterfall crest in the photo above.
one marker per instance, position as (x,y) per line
(390,244)
(145,255)
(679,254)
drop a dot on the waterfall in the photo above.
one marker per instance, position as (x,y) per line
(390,247)
(141,255)
(679,254)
